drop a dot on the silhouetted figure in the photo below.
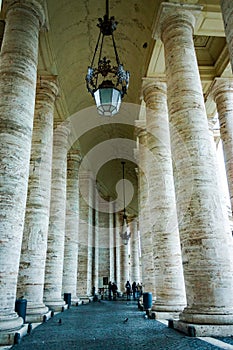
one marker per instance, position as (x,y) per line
(128,289)
(134,288)
(114,290)
(110,290)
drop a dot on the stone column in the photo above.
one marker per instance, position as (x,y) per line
(148,274)
(222,91)
(134,252)
(205,236)
(84,285)
(117,251)
(124,256)
(56,232)
(170,291)
(96,247)
(104,244)
(18,69)
(34,245)
(70,266)
(227,13)
(111,246)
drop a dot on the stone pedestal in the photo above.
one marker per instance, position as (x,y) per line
(56,235)
(170,291)
(18,70)
(205,239)
(70,266)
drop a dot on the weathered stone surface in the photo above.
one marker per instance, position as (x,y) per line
(34,244)
(222,91)
(148,274)
(70,266)
(18,69)
(170,291)
(56,234)
(134,252)
(227,13)
(85,244)
(205,240)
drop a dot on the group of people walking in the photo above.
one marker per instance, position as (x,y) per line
(135,289)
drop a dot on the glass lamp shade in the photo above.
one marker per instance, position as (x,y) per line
(125,232)
(108,100)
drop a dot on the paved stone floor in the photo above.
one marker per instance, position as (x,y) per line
(100,325)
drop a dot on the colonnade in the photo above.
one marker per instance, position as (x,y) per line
(59,243)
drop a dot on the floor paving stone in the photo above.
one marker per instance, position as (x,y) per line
(103,325)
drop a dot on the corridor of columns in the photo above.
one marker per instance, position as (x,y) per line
(164,162)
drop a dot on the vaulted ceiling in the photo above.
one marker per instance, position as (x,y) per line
(67,44)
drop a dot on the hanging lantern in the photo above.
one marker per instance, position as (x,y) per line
(125,231)
(115,80)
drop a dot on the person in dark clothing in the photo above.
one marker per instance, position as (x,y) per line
(134,288)
(110,290)
(114,290)
(128,289)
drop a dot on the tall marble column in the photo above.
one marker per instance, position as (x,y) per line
(56,233)
(148,274)
(18,69)
(117,241)
(85,246)
(222,91)
(124,259)
(205,236)
(104,245)
(34,244)
(70,266)
(227,13)
(96,247)
(111,246)
(170,291)
(134,252)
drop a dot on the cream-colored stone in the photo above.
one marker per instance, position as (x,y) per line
(134,252)
(170,291)
(222,91)
(227,14)
(56,234)
(148,275)
(18,69)
(205,237)
(85,253)
(34,244)
(70,266)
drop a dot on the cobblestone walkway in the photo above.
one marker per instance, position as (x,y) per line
(101,325)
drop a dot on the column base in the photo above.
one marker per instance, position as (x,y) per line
(163,315)
(56,305)
(9,326)
(85,299)
(38,316)
(202,330)
(165,312)
(76,301)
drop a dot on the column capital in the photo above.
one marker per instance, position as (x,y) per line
(34,6)
(173,13)
(220,86)
(153,85)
